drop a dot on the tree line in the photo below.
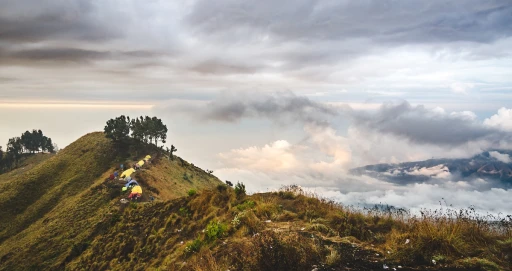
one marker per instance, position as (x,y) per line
(28,142)
(144,129)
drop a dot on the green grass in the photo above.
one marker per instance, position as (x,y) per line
(52,211)
(216,234)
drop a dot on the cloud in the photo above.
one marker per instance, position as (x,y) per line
(277,156)
(428,196)
(502,120)
(70,55)
(425,22)
(502,157)
(284,107)
(421,125)
(438,172)
(461,87)
(29,21)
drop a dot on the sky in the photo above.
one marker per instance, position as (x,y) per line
(274,93)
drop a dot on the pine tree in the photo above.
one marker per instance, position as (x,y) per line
(15,149)
(117,129)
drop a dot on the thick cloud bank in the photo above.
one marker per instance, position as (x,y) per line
(393,133)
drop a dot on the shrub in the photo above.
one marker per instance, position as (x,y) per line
(248,204)
(194,246)
(184,211)
(239,190)
(215,230)
(186,177)
(222,187)
(191,192)
(333,258)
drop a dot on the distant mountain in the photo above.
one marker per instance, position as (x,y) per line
(493,165)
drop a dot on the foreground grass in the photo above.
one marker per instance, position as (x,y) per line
(291,230)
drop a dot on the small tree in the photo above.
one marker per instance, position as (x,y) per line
(14,149)
(240,190)
(170,151)
(49,146)
(2,161)
(117,129)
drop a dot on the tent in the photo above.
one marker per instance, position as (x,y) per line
(127,172)
(136,192)
(148,157)
(137,189)
(140,163)
(132,182)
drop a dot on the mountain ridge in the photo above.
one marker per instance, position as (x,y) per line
(66,197)
(482,165)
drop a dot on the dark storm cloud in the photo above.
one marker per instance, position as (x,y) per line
(390,21)
(69,55)
(420,125)
(219,66)
(33,21)
(283,107)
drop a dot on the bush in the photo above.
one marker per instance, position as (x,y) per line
(222,187)
(191,192)
(215,230)
(249,204)
(184,211)
(239,190)
(186,177)
(194,246)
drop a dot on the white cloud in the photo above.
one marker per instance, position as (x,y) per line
(429,196)
(438,172)
(459,87)
(503,157)
(501,120)
(464,115)
(277,156)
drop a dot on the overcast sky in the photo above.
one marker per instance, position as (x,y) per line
(273,93)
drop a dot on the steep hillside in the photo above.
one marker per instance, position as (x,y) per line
(66,200)
(289,230)
(27,162)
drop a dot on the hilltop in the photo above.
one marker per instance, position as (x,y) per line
(64,199)
(62,213)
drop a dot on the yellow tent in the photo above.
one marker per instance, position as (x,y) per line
(147,157)
(140,163)
(137,189)
(127,172)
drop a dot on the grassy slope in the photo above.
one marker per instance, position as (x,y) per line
(28,162)
(288,231)
(52,211)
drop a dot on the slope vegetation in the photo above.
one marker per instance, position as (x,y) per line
(27,162)
(290,230)
(53,210)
